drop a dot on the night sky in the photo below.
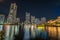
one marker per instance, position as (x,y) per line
(39,8)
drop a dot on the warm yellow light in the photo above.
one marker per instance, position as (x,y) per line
(41,27)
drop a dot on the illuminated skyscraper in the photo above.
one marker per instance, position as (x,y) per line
(9,35)
(2,18)
(33,19)
(37,21)
(43,20)
(27,18)
(12,13)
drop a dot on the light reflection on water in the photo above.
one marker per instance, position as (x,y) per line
(38,33)
(26,32)
(42,34)
(26,35)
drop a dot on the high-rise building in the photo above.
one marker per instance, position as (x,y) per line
(13,9)
(27,18)
(43,20)
(9,34)
(12,13)
(37,21)
(33,19)
(2,17)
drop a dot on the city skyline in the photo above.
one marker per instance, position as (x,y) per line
(29,20)
(36,8)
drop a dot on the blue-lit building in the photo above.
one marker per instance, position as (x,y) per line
(2,18)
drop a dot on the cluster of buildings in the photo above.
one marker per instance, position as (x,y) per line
(10,26)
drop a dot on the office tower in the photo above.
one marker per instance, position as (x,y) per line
(27,18)
(11,20)
(12,13)
(43,20)
(2,18)
(37,21)
(13,10)
(27,26)
(33,19)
